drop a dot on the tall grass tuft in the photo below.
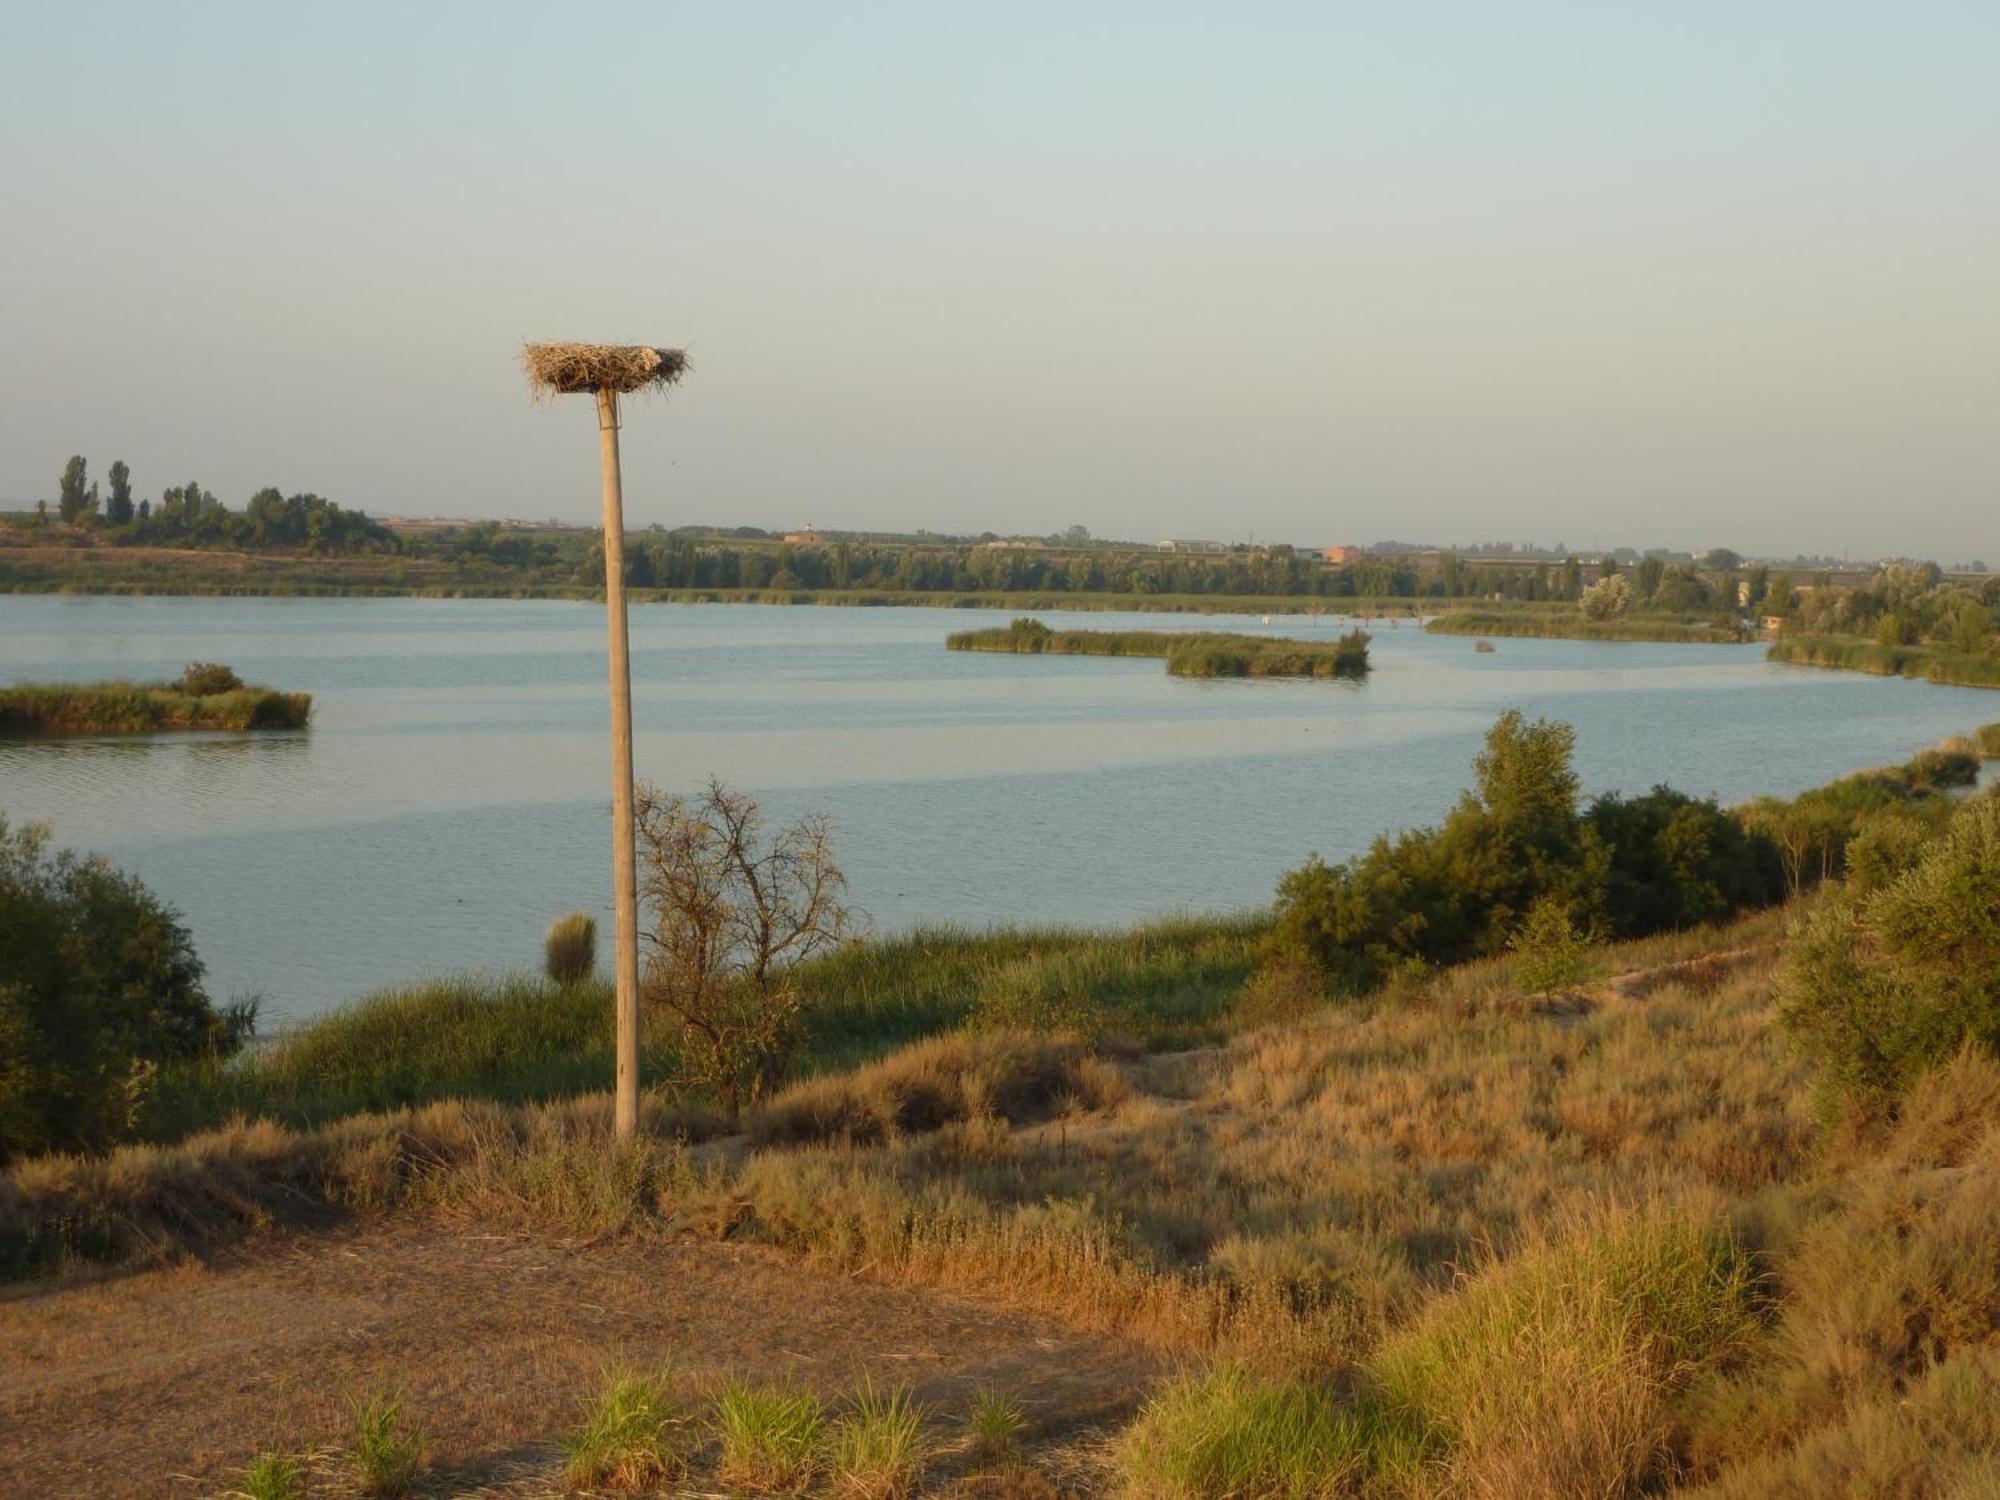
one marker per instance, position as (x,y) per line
(993,1428)
(387,1451)
(878,1447)
(569,949)
(770,1435)
(1552,1372)
(271,1476)
(635,1435)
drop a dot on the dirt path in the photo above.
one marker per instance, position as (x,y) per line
(164,1383)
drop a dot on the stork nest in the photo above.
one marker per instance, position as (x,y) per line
(564,369)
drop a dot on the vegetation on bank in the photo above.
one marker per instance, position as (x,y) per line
(1561,624)
(1187,653)
(1928,663)
(205,696)
(100,990)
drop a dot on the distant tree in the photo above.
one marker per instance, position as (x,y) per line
(1572,579)
(1606,599)
(1778,598)
(74,493)
(1759,579)
(118,504)
(1971,626)
(1651,571)
(1722,560)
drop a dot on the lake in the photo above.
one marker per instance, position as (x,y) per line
(451,796)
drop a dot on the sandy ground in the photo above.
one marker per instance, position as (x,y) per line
(163,1383)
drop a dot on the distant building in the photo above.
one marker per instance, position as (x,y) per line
(1340,557)
(807,538)
(1185,544)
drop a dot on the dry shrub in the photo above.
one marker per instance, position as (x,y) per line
(550,1165)
(1897,1271)
(1014,1076)
(1286,988)
(1937,1440)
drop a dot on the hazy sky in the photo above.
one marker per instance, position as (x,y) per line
(1687,274)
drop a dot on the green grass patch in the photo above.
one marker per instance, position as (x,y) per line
(1227,1433)
(1187,653)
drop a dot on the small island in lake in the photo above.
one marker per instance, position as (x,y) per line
(205,696)
(1193,653)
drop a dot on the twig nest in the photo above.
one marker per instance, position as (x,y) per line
(565,369)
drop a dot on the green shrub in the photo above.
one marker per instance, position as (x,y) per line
(770,1435)
(1459,891)
(204,679)
(879,1446)
(569,949)
(1883,983)
(387,1451)
(1551,952)
(635,1435)
(99,987)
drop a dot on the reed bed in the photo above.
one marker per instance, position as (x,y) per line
(1567,624)
(1187,653)
(145,708)
(1925,663)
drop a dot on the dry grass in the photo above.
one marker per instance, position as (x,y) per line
(1011,1076)
(568,369)
(1442,1244)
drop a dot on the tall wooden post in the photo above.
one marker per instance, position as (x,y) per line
(624,833)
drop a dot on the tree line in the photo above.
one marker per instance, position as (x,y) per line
(190,515)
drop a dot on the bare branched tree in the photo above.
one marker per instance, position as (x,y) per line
(729,917)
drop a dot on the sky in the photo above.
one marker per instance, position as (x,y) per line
(1684,275)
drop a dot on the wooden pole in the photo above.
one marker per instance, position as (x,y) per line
(624,834)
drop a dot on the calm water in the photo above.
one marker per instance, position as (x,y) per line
(450,797)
